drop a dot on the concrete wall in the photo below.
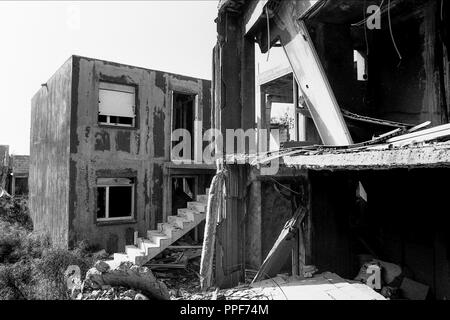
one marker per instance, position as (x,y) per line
(49,156)
(20,164)
(409,90)
(98,151)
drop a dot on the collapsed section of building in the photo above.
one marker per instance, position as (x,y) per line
(369,157)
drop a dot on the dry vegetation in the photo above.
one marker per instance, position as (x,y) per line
(30,268)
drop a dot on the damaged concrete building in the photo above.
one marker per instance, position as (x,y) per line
(373,183)
(101,167)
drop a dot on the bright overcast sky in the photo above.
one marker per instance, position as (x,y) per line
(37,37)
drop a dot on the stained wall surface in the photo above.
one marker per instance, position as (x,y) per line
(70,150)
(140,152)
(49,156)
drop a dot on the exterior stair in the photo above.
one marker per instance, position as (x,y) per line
(167,233)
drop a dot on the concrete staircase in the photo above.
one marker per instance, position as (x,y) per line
(167,233)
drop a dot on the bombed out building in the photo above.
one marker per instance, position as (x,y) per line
(365,172)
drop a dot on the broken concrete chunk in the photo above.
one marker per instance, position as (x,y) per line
(101,266)
(129,276)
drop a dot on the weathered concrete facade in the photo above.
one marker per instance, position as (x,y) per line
(70,150)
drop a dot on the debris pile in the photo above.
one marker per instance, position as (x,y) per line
(111,293)
(392,282)
(178,268)
(126,282)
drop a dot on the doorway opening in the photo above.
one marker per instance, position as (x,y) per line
(183,116)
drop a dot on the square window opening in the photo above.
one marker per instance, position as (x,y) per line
(115,199)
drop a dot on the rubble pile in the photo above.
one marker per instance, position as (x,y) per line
(179,271)
(395,282)
(193,291)
(111,293)
(125,282)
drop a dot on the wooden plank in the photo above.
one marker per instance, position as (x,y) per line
(280,250)
(305,228)
(184,247)
(295,255)
(166,265)
(423,135)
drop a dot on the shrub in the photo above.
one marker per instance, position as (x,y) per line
(16,243)
(41,278)
(16,281)
(29,267)
(15,211)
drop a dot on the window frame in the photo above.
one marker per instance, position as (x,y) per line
(113,184)
(108,122)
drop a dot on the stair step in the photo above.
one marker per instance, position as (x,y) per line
(156,234)
(158,237)
(166,234)
(140,260)
(178,221)
(198,206)
(188,214)
(169,229)
(120,257)
(146,244)
(203,198)
(133,251)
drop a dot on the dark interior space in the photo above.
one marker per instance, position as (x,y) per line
(404,222)
(20,186)
(183,117)
(401,59)
(183,191)
(120,201)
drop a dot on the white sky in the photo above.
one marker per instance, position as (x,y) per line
(37,37)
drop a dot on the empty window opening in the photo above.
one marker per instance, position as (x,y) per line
(115,199)
(117,104)
(360,66)
(183,191)
(183,111)
(20,186)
